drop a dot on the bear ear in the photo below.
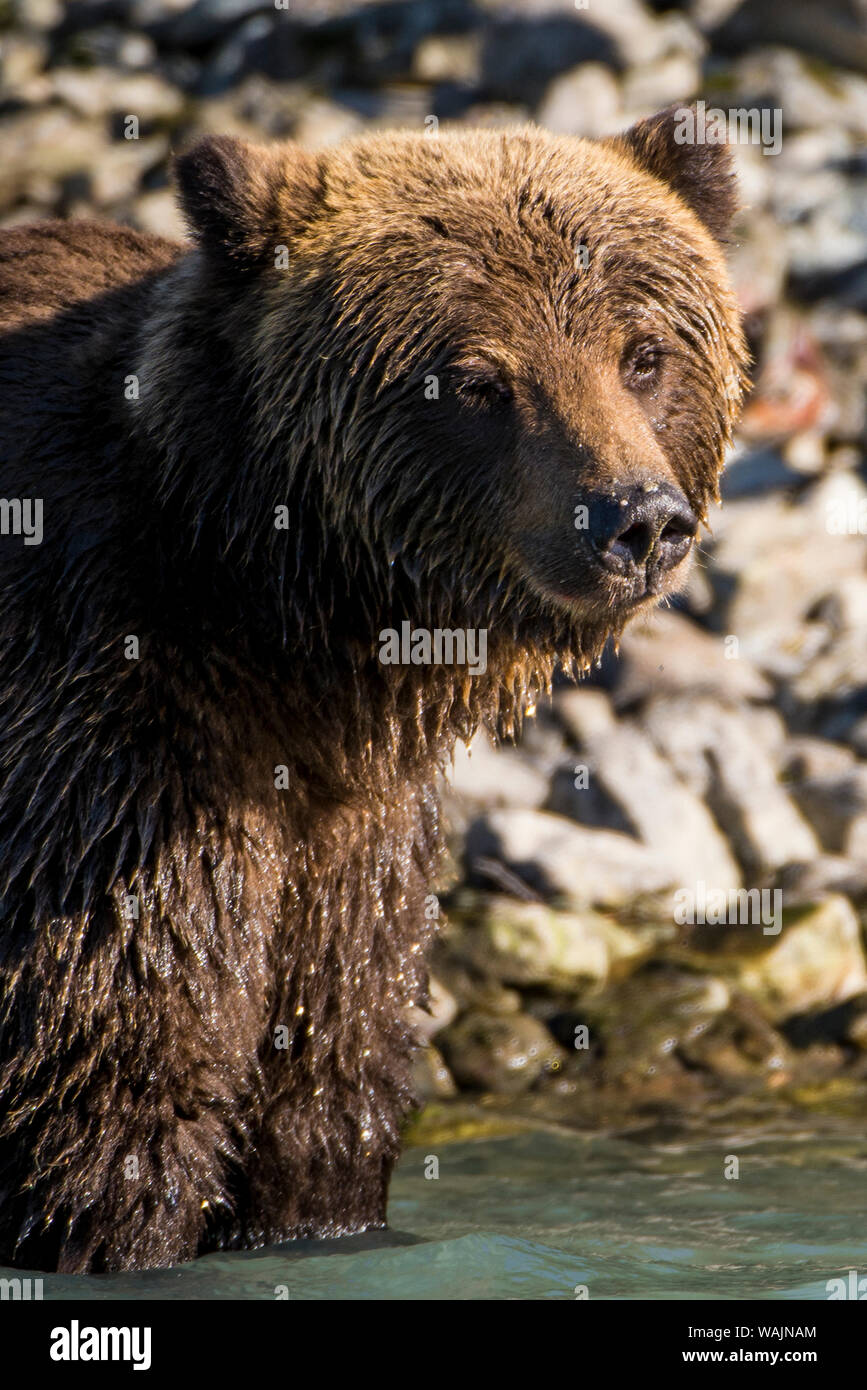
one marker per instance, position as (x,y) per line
(701,174)
(239,199)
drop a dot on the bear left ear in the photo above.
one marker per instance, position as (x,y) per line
(239,199)
(702,175)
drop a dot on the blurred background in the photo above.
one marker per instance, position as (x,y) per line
(728,743)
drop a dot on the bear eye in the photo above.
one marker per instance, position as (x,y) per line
(484,385)
(642,363)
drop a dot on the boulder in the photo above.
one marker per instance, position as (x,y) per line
(555,857)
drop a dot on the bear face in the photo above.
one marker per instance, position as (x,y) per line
(534,357)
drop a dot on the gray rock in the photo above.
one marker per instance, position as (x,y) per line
(756,472)
(650,86)
(38,14)
(505,1055)
(100,91)
(42,147)
(739,1043)
(448,58)
(806,758)
(158,212)
(670,653)
(589,802)
(583,712)
(585,101)
(775,560)
(838,668)
(644,1022)
(197,24)
(715,750)
(486,776)
(541,741)
(817,960)
(117,176)
(323,122)
(463,981)
(520,57)
(759,262)
(431,1078)
(660,809)
(807,97)
(858,737)
(531,944)
(768,728)
(442,1009)
(802,884)
(554,856)
(255,107)
(22,58)
(836,807)
(643,38)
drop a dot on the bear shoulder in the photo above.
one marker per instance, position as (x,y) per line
(52,266)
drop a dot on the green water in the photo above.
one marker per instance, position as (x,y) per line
(538,1214)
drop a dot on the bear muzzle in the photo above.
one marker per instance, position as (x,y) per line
(640,534)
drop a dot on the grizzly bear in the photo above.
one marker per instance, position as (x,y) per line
(476,383)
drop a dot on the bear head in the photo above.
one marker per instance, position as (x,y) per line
(503,365)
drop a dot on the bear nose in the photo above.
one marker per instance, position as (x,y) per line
(649,524)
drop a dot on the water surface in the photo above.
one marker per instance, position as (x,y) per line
(542,1215)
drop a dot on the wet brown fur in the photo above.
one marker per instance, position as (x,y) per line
(147,1115)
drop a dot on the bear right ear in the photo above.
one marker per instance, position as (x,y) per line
(701,174)
(239,199)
